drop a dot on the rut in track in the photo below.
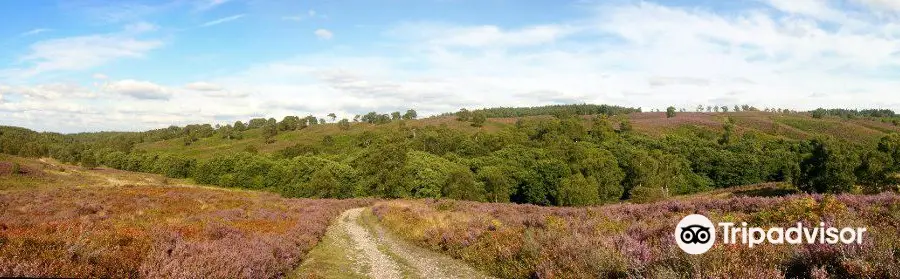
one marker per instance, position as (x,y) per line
(356,247)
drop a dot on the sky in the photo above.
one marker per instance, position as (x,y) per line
(91,65)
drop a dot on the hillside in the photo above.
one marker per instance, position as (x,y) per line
(62,221)
(790,126)
(551,155)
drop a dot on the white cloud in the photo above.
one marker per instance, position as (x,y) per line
(49,92)
(140,27)
(818,9)
(881,4)
(226,94)
(99,76)
(666,81)
(143,90)
(203,86)
(222,20)
(80,53)
(482,36)
(35,31)
(798,55)
(323,34)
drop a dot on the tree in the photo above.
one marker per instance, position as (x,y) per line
(256,123)
(716,108)
(461,185)
(625,125)
(381,169)
(311,120)
(874,171)
(709,109)
(333,180)
(344,124)
(601,129)
(289,123)
(737,108)
(370,117)
(890,146)
(463,115)
(410,114)
(356,118)
(229,133)
(332,116)
(269,132)
(88,160)
(818,113)
(395,115)
(728,128)
(601,168)
(670,112)
(699,108)
(497,184)
(190,138)
(827,168)
(478,119)
(724,108)
(239,126)
(577,190)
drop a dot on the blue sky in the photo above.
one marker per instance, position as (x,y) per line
(89,65)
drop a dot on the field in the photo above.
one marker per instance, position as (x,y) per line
(61,221)
(525,241)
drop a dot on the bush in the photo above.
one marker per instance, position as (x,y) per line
(644,194)
(577,190)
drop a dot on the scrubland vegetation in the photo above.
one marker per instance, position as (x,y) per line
(553,155)
(59,221)
(635,241)
(649,169)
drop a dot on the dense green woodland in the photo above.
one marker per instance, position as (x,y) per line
(560,160)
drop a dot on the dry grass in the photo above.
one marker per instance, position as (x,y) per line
(526,241)
(73,223)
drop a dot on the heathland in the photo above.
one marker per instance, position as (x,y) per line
(251,199)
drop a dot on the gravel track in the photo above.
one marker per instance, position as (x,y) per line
(388,257)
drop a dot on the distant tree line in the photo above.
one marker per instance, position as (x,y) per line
(563,160)
(554,110)
(853,113)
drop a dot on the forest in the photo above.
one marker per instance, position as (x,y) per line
(566,155)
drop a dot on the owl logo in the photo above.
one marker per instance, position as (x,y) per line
(695,234)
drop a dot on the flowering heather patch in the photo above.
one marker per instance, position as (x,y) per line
(526,241)
(658,123)
(157,231)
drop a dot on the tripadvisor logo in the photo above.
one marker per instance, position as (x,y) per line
(695,234)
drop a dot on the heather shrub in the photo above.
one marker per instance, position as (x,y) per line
(635,240)
(157,231)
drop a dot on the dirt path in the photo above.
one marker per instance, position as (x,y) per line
(357,247)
